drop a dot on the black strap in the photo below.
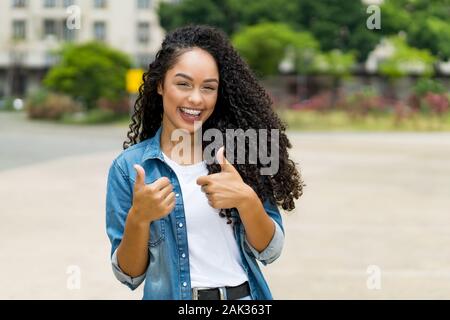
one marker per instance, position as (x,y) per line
(233,293)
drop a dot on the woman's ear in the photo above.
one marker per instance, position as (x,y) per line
(159,89)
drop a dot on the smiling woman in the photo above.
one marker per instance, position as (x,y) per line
(189,91)
(164,217)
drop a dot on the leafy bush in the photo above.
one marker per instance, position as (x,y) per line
(37,97)
(319,102)
(44,105)
(88,72)
(402,111)
(7,104)
(119,107)
(264,46)
(367,102)
(424,85)
(334,62)
(429,96)
(406,60)
(435,103)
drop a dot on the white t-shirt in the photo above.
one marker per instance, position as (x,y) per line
(214,258)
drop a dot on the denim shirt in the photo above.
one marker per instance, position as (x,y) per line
(168,276)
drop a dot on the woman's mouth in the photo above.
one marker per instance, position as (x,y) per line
(190,115)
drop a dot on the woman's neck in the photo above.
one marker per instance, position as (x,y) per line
(185,151)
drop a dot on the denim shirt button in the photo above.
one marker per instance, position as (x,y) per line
(184,284)
(183,255)
(180,225)
(177,195)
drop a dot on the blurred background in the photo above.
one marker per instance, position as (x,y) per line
(364,87)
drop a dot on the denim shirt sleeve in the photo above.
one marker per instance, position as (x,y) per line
(119,198)
(131,282)
(275,246)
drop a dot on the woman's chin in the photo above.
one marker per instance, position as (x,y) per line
(187,128)
(190,127)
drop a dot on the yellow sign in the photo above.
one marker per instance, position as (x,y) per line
(134,80)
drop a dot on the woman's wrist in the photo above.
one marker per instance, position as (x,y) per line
(248,200)
(135,218)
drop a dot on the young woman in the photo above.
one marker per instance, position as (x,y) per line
(191,228)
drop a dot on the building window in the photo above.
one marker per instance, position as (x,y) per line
(68,3)
(68,34)
(49,3)
(143,4)
(143,32)
(50,28)
(99,3)
(19,30)
(99,30)
(19,3)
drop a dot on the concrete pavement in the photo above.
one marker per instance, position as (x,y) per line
(378,200)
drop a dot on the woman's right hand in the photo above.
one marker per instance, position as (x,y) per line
(151,201)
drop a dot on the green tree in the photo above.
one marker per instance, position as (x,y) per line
(403,61)
(335,24)
(88,72)
(425,22)
(432,33)
(334,63)
(222,14)
(339,25)
(406,59)
(265,45)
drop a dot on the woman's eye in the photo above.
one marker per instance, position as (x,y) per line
(184,84)
(210,88)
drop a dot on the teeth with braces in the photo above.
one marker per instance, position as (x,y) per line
(191,111)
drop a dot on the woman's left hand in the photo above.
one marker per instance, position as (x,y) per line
(225,189)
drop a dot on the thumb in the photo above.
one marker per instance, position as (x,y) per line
(140,176)
(224,163)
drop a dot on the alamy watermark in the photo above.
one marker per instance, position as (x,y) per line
(263,146)
(74,279)
(374,20)
(374,279)
(73,21)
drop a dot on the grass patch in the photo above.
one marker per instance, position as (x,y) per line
(342,121)
(96,116)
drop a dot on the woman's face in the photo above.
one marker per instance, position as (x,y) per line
(190,90)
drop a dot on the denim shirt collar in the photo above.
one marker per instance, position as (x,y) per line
(153,148)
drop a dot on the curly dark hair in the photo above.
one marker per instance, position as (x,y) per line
(241,103)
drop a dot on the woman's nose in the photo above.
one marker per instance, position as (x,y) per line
(195,98)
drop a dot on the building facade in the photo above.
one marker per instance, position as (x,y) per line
(32,29)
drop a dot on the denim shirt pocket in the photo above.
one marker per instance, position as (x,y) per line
(157,232)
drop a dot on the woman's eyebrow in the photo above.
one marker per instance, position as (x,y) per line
(190,78)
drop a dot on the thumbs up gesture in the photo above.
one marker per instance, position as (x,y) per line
(225,189)
(152,201)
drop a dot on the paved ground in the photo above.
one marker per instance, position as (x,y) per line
(378,200)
